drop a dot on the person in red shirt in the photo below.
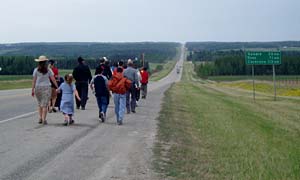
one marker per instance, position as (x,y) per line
(144,82)
(51,107)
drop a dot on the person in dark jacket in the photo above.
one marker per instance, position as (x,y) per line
(58,99)
(99,85)
(104,65)
(83,76)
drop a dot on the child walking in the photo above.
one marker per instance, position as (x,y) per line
(99,86)
(67,100)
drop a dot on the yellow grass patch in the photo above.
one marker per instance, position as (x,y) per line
(263,87)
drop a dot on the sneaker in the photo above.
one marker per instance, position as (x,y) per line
(66,123)
(100,116)
(120,122)
(82,108)
(45,122)
(103,117)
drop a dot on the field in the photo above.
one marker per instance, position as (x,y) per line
(208,131)
(22,81)
(266,78)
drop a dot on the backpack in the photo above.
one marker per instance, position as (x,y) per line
(119,86)
(100,86)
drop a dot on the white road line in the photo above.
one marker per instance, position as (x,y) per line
(18,117)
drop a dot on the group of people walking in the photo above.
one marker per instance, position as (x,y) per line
(122,82)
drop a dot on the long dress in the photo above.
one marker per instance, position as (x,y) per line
(67,99)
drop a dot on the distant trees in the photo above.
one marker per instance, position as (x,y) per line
(235,65)
(16,65)
(228,58)
(18,59)
(216,46)
(154,51)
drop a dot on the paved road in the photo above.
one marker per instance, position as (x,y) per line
(86,150)
(15,103)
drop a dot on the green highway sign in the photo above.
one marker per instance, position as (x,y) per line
(263,58)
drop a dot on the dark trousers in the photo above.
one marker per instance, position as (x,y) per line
(82,88)
(131,99)
(144,90)
(138,94)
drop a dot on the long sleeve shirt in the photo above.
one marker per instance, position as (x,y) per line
(131,74)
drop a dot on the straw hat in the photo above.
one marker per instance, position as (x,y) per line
(41,58)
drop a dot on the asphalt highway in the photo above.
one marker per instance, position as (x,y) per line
(86,150)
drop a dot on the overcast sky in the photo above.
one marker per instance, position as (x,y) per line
(148,20)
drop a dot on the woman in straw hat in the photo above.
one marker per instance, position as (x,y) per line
(41,86)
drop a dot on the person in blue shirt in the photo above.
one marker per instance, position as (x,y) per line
(67,100)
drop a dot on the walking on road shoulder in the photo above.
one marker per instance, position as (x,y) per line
(144,82)
(67,100)
(41,87)
(53,98)
(119,85)
(99,85)
(131,74)
(83,76)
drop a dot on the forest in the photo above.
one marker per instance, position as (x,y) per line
(18,59)
(229,58)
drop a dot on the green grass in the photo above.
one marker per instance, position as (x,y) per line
(24,81)
(167,68)
(205,134)
(208,133)
(267,88)
(14,77)
(19,84)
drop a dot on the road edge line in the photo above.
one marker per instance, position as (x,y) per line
(17,117)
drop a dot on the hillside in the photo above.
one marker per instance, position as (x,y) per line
(154,51)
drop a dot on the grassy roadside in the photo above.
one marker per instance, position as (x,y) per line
(264,87)
(263,78)
(206,133)
(167,68)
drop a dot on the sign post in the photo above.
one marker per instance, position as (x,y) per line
(253,82)
(263,58)
(274,80)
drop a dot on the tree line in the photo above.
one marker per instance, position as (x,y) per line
(154,51)
(24,65)
(216,46)
(235,65)
(18,59)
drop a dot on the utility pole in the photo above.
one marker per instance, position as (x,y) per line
(143,59)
